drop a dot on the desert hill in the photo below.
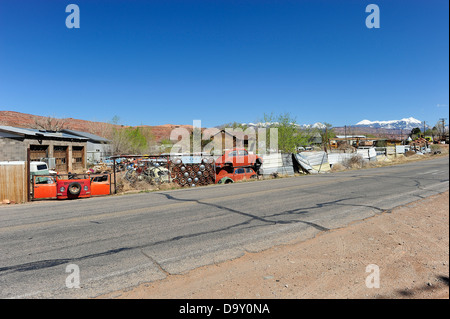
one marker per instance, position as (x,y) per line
(17,119)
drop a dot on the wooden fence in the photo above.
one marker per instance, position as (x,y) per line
(13,182)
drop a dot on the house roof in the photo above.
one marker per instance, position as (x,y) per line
(91,137)
(350,136)
(237,135)
(19,131)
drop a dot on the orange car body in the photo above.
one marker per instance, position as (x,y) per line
(63,186)
(237,157)
(237,174)
(54,187)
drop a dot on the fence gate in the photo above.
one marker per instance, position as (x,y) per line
(13,182)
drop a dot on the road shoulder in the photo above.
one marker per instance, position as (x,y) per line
(406,251)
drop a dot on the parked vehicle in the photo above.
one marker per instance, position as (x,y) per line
(231,175)
(238,157)
(75,186)
(40,168)
(70,186)
(36,168)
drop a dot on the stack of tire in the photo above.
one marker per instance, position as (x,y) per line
(192,175)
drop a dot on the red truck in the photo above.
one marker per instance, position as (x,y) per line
(70,186)
(239,157)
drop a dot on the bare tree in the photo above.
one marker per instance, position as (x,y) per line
(49,123)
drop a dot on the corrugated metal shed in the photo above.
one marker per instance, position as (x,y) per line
(368,153)
(313,162)
(277,163)
(318,160)
(334,158)
(40,133)
(91,137)
(390,150)
(400,149)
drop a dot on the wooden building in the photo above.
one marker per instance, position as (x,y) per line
(67,150)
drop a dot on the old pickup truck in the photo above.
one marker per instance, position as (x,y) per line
(70,186)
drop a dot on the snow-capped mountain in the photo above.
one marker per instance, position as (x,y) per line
(269,124)
(404,124)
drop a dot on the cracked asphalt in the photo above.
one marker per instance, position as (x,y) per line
(119,242)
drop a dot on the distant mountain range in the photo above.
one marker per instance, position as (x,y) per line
(403,124)
(392,128)
(267,124)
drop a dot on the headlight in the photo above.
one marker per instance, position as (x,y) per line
(62,189)
(86,188)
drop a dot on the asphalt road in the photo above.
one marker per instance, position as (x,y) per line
(120,241)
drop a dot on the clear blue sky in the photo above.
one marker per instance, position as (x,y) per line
(163,61)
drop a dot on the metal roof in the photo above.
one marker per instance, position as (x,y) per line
(40,133)
(89,136)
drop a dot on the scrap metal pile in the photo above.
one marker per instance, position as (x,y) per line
(151,170)
(191,172)
(184,170)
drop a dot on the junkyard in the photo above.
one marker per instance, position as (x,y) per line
(224,157)
(173,234)
(134,224)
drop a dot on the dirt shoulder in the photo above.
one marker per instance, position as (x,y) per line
(410,247)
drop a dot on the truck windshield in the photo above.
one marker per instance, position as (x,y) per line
(41,167)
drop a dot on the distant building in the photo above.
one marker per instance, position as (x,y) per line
(316,139)
(228,140)
(97,147)
(68,151)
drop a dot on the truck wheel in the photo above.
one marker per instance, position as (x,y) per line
(74,188)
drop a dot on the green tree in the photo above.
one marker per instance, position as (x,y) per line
(415,133)
(290,134)
(326,133)
(129,140)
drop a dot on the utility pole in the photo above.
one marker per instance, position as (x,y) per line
(424,129)
(442,132)
(345,133)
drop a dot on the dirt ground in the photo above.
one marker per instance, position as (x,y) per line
(406,251)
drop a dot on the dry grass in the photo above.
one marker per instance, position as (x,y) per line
(338,167)
(382,161)
(354,162)
(125,187)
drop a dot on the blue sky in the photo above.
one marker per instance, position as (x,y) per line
(162,61)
